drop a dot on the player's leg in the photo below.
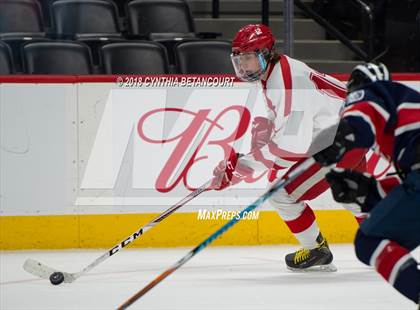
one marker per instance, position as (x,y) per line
(392,230)
(300,218)
(312,183)
(392,261)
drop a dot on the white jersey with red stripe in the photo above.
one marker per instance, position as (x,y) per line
(300,103)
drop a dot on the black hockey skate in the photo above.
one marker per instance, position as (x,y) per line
(318,259)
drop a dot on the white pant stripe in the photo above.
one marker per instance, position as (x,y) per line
(408,127)
(308,183)
(396,268)
(378,251)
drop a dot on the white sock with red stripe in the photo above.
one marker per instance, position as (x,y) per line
(301,222)
(298,216)
(307,238)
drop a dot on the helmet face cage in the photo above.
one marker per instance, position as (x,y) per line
(249,67)
(251,48)
(367,73)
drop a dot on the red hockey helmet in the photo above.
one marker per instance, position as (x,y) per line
(250,48)
(253,37)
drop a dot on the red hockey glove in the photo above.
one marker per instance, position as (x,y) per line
(262,129)
(229,172)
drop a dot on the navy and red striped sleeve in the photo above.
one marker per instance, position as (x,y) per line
(368,119)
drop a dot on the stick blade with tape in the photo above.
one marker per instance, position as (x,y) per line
(44,272)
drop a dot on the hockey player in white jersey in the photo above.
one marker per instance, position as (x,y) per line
(300,103)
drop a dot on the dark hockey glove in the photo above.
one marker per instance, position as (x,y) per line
(343,142)
(230,172)
(349,186)
(262,129)
(415,166)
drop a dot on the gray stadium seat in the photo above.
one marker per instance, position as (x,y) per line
(20,21)
(57,57)
(20,18)
(143,57)
(159,16)
(204,57)
(6,63)
(85,18)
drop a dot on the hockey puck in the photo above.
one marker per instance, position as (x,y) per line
(56,278)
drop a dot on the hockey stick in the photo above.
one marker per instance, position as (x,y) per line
(43,271)
(278,185)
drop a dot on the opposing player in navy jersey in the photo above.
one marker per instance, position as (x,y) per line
(383,115)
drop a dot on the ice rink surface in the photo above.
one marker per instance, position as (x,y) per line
(217,278)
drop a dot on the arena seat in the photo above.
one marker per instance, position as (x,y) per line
(159,16)
(20,18)
(204,57)
(20,21)
(6,63)
(57,57)
(93,22)
(85,18)
(165,21)
(141,57)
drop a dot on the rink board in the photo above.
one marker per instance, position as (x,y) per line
(51,155)
(182,229)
